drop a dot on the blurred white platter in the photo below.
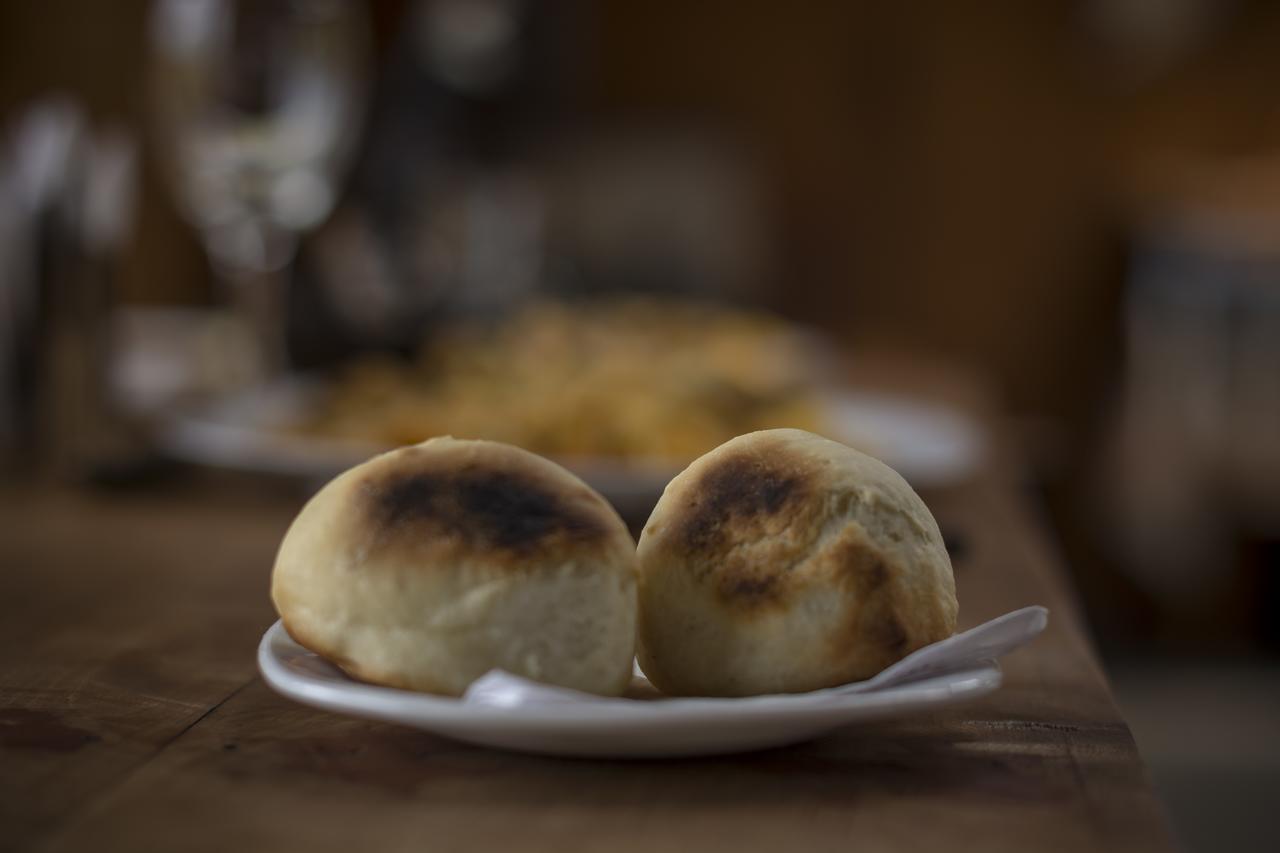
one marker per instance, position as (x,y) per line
(505,711)
(930,444)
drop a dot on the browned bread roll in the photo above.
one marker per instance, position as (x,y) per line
(784,562)
(426,567)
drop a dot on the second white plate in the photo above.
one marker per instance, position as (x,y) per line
(930,444)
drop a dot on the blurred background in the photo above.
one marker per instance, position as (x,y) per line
(1035,239)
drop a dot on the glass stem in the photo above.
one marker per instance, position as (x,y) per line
(254,263)
(260,299)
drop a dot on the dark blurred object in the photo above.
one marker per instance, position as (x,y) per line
(90,430)
(466,87)
(67,192)
(485,181)
(39,163)
(32,162)
(1142,40)
(1194,475)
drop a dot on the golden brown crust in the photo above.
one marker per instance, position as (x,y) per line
(744,494)
(872,579)
(785,562)
(427,566)
(734,524)
(452,499)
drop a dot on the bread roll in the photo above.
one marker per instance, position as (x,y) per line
(426,567)
(783,562)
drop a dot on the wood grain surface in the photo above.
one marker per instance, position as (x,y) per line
(132,718)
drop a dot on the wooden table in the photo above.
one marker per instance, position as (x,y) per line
(132,718)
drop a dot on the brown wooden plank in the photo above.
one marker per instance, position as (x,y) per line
(122,622)
(1045,763)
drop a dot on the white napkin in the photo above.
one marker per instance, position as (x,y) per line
(959,653)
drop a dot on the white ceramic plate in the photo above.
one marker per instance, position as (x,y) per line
(928,443)
(566,723)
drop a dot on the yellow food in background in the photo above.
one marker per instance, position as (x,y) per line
(636,379)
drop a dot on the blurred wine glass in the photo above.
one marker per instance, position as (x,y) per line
(257,105)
